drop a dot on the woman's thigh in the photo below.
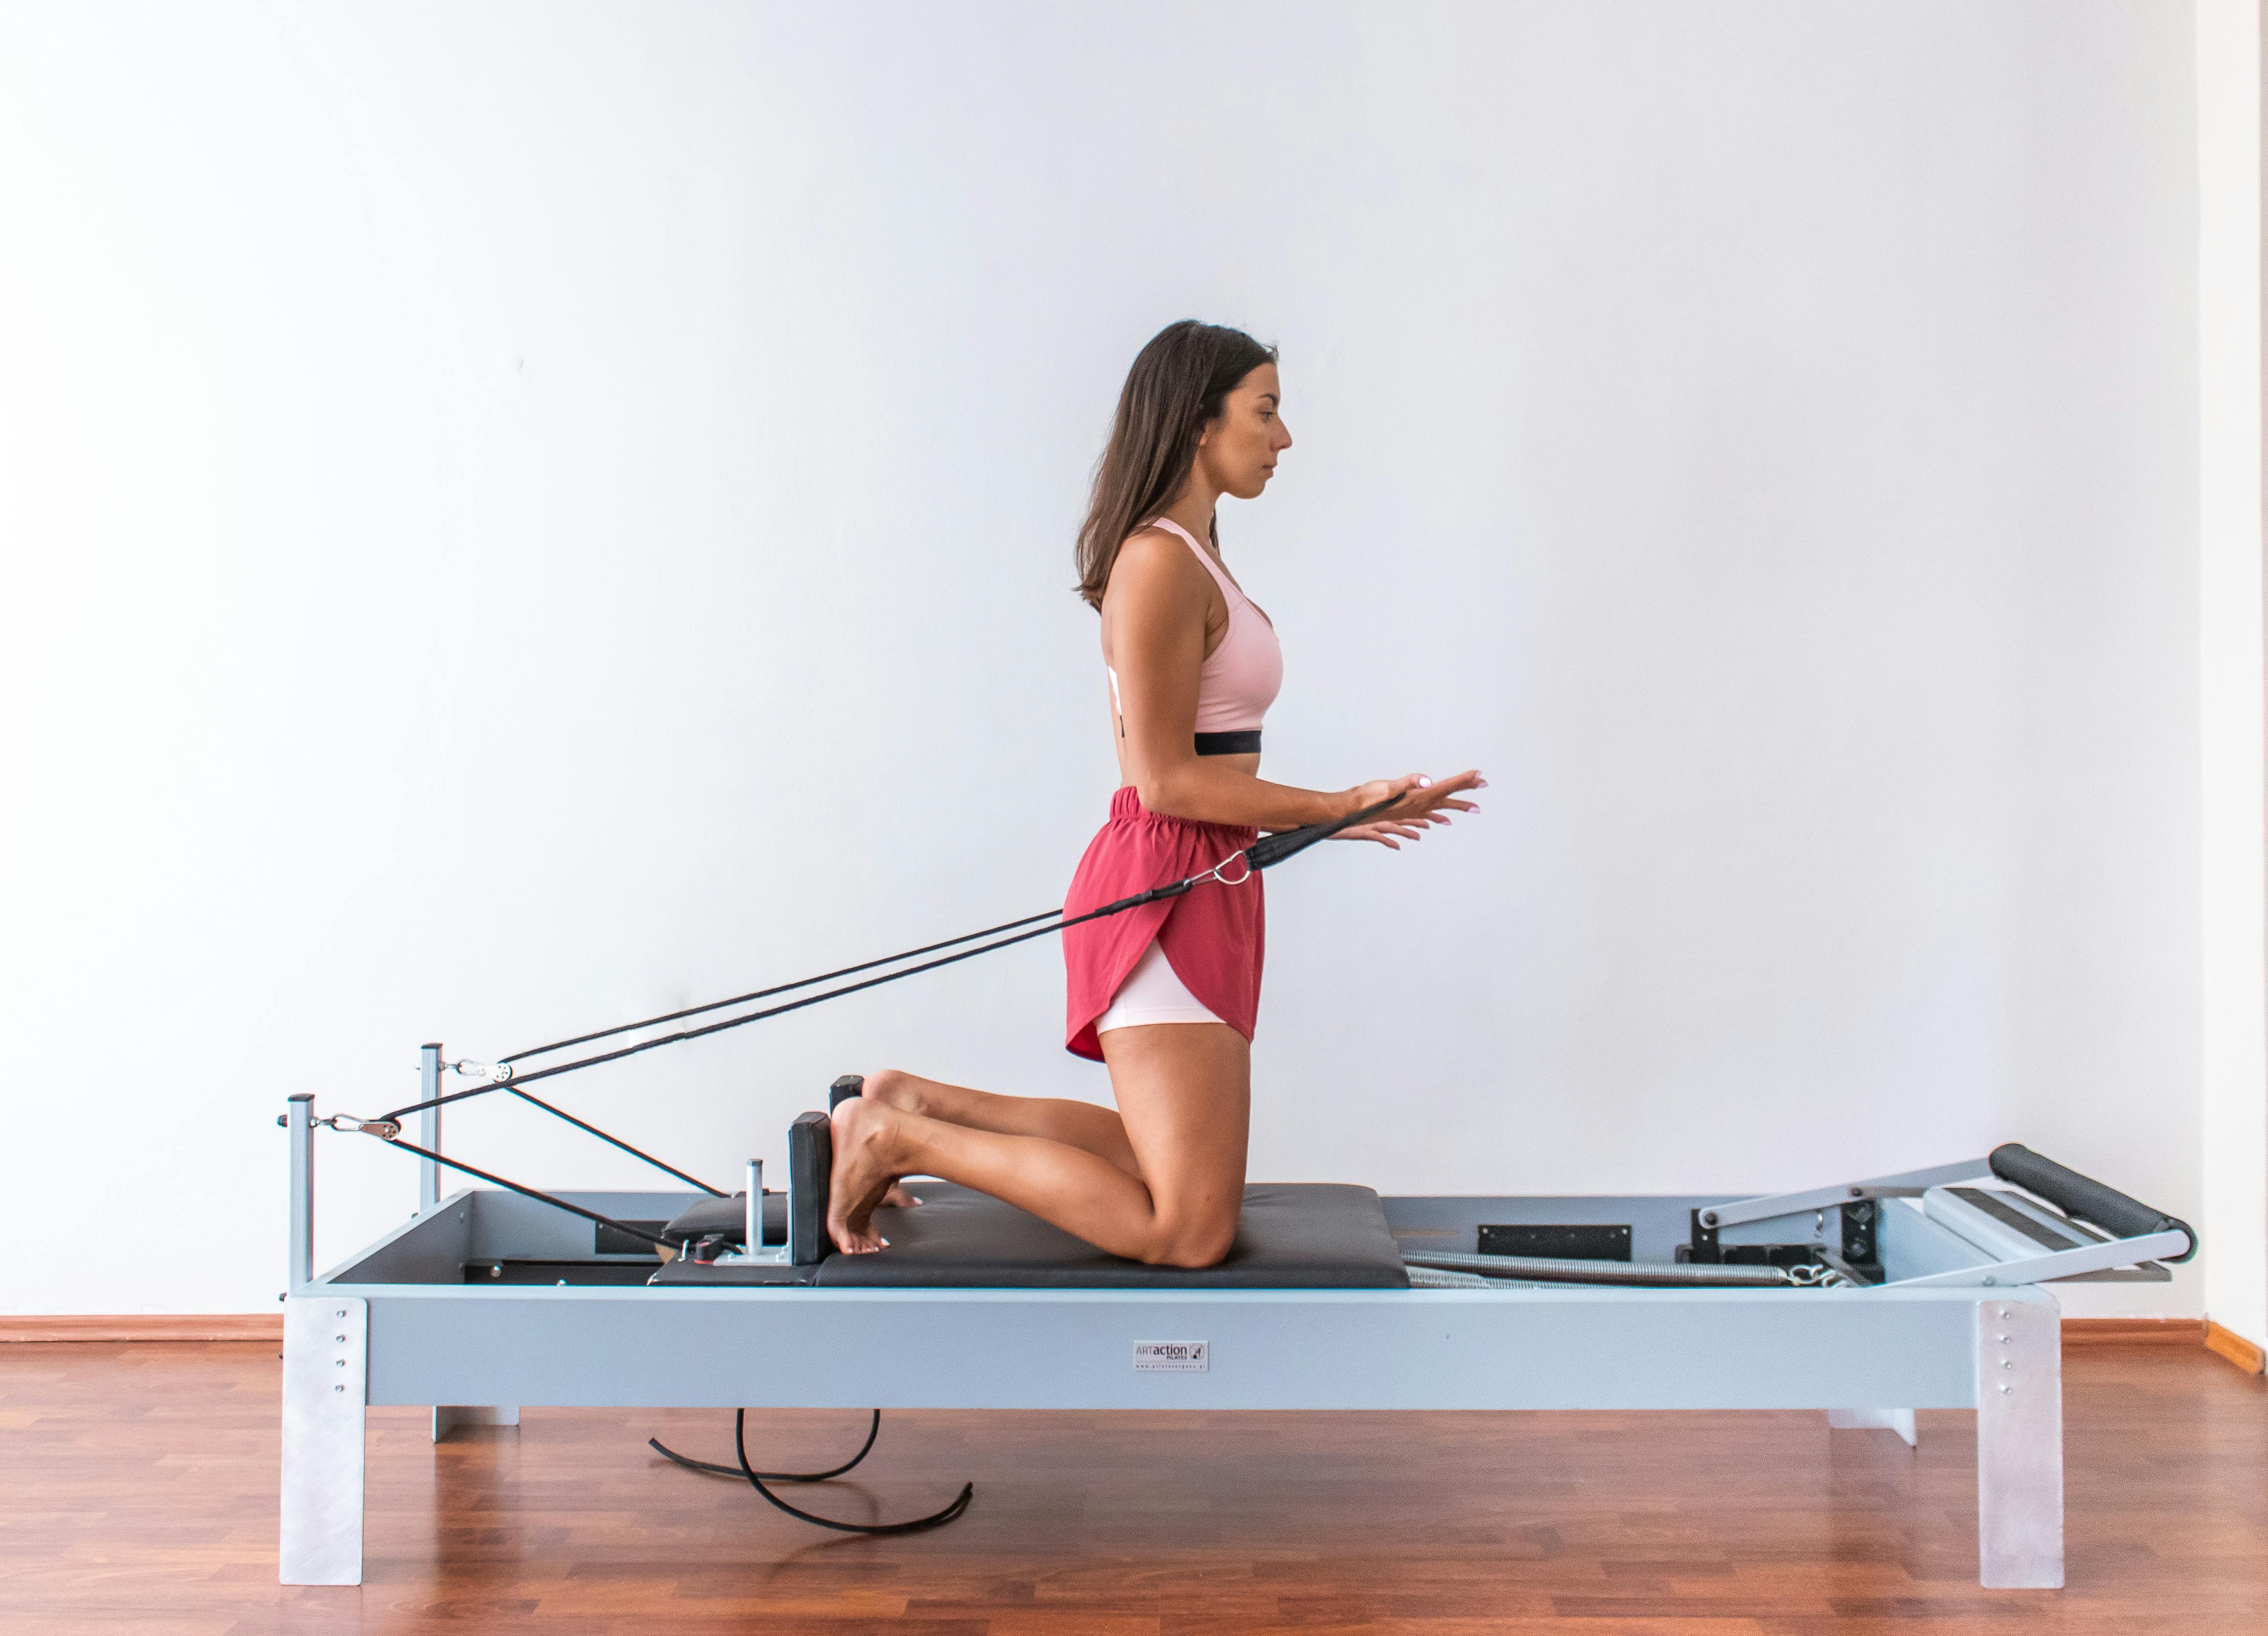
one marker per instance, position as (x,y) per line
(1080,1125)
(1184,1093)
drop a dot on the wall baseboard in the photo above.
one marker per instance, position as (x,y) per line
(2236,1348)
(147,1326)
(2133,1332)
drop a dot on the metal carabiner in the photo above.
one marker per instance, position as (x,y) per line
(385,1130)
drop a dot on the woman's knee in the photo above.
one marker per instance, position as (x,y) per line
(893,1087)
(1191,1244)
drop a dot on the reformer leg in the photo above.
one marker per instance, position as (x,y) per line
(326,1358)
(448,1417)
(1898,1420)
(2020,1444)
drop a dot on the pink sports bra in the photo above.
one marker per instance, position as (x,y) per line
(1240,677)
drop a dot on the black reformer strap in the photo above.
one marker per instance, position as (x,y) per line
(1264,853)
(561,1113)
(616,1055)
(537,1194)
(784,988)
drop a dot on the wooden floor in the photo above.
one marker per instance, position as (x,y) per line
(137,1493)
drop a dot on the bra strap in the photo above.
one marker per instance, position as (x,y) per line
(1221,576)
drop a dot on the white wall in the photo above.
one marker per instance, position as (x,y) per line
(2231,668)
(521,517)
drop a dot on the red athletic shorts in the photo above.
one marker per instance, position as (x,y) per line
(1212,935)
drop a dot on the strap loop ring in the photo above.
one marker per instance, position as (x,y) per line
(1214,873)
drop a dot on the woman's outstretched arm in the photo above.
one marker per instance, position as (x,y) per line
(1154,619)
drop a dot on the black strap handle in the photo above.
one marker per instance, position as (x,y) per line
(2087,1199)
(1271,850)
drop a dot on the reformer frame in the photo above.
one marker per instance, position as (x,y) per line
(1951,1327)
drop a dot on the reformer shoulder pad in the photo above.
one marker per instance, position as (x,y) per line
(810,1167)
(849,1086)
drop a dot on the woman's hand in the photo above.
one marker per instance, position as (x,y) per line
(1426,803)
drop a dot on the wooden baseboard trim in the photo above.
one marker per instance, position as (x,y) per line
(2236,1348)
(2133,1332)
(225,1326)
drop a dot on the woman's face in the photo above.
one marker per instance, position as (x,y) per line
(1238,451)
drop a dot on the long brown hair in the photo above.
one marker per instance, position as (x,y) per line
(1178,383)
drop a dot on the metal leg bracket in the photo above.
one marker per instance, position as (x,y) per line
(2020,1445)
(326,1358)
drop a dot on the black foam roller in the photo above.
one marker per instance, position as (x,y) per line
(2085,1197)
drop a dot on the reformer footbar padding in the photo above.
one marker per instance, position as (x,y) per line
(810,1167)
(2087,1199)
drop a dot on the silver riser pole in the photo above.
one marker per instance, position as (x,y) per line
(299,1120)
(429,1127)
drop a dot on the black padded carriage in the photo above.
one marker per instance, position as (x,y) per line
(1292,1235)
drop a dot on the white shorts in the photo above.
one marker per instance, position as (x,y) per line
(1151,993)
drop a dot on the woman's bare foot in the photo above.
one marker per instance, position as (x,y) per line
(863,1175)
(881,1087)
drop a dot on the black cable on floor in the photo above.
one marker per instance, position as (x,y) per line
(733,1471)
(935,1519)
(756,1480)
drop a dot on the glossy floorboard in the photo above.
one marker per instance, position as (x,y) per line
(137,1493)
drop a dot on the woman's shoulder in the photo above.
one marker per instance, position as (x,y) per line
(1159,561)
(1150,537)
(1153,549)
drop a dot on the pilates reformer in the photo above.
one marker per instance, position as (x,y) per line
(1868,1299)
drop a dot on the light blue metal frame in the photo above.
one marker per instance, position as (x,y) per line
(413,1332)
